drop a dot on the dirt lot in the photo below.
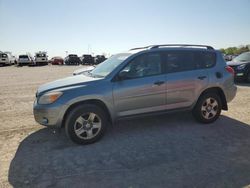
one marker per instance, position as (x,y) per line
(162,151)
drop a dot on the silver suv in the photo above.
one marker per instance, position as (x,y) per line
(152,79)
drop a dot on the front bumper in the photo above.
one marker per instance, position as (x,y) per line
(48,115)
(239,74)
(4,63)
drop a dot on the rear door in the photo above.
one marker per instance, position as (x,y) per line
(143,89)
(186,77)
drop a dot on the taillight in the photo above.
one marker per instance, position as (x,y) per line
(230,70)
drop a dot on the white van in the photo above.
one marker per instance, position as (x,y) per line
(41,58)
(7,59)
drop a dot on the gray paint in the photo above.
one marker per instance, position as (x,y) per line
(135,96)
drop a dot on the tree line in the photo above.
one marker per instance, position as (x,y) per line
(235,50)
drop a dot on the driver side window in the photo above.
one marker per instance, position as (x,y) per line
(143,66)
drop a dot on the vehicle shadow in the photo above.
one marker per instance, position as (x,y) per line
(242,84)
(161,151)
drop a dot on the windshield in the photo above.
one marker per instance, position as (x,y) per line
(242,57)
(40,55)
(110,64)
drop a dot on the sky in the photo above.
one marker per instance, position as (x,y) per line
(113,26)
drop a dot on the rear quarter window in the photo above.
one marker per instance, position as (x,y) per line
(205,59)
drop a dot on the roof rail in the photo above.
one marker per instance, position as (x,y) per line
(140,48)
(181,45)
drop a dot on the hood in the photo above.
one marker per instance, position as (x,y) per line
(66,82)
(235,63)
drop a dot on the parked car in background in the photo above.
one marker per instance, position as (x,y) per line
(148,80)
(241,66)
(99,59)
(41,58)
(229,57)
(87,59)
(72,59)
(25,60)
(7,59)
(56,61)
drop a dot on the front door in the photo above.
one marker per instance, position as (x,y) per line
(143,87)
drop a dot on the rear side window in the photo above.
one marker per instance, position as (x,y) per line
(179,61)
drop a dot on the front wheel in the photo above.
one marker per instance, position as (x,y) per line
(86,124)
(208,108)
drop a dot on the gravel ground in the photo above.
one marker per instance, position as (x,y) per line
(161,151)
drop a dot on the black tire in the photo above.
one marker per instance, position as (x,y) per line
(199,113)
(79,111)
(248,77)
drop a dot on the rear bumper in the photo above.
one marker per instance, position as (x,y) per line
(41,62)
(231,93)
(24,63)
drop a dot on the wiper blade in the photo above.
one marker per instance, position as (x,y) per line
(94,75)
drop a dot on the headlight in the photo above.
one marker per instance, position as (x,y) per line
(49,98)
(240,67)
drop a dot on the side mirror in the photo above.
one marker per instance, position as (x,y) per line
(122,75)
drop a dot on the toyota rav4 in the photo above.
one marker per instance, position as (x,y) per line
(147,80)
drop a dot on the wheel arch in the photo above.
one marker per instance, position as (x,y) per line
(96,102)
(221,94)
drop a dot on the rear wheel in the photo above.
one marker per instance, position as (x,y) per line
(86,124)
(208,108)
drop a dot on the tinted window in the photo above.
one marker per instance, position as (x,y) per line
(73,55)
(205,59)
(23,56)
(144,65)
(178,61)
(40,55)
(3,55)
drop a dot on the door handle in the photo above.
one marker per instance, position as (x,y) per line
(159,83)
(201,77)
